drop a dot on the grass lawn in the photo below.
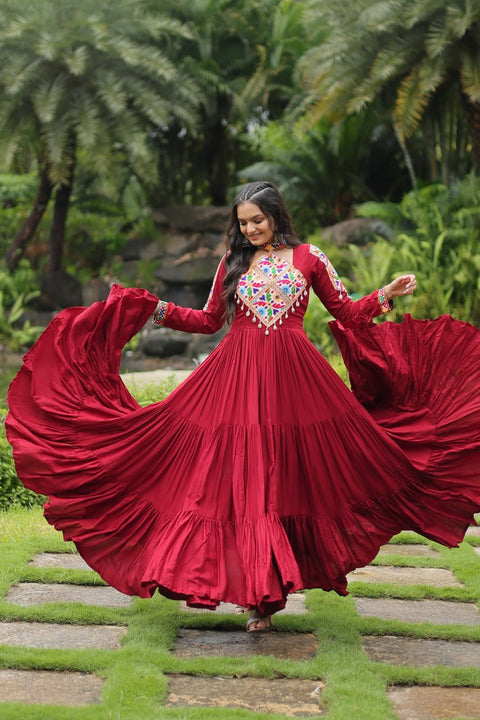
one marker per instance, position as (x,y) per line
(137,674)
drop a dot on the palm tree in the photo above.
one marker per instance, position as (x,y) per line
(243,55)
(84,75)
(422,58)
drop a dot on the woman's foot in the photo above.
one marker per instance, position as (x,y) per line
(257,622)
(240,610)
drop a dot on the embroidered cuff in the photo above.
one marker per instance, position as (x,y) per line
(386,305)
(160,314)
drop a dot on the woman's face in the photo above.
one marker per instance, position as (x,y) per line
(254,224)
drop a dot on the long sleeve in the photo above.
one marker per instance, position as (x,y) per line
(331,291)
(206,321)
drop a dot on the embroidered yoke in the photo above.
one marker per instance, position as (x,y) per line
(272,291)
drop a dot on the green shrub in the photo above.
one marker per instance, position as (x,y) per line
(12,492)
(437,236)
(17,189)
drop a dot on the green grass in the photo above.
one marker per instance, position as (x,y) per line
(137,674)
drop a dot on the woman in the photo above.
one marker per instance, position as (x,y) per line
(261,474)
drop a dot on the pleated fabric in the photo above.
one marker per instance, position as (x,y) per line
(262,473)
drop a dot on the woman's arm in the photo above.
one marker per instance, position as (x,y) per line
(331,291)
(206,321)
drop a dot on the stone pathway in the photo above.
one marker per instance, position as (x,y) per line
(288,696)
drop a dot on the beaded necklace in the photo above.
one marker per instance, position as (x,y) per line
(275,244)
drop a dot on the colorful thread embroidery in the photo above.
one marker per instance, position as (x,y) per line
(332,273)
(383,302)
(160,313)
(270,290)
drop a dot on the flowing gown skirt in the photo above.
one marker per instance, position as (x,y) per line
(262,473)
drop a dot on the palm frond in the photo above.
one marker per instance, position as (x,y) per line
(77,61)
(393,60)
(461,16)
(420,11)
(470,75)
(381,16)
(412,99)
(47,45)
(48,97)
(437,38)
(18,71)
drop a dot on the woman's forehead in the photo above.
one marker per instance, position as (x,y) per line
(248,210)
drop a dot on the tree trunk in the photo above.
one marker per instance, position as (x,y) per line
(26,232)
(406,155)
(59,220)
(217,163)
(473,120)
(57,229)
(217,151)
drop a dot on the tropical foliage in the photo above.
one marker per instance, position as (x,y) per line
(422,59)
(437,238)
(242,55)
(84,75)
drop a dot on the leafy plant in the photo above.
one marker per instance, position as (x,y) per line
(12,492)
(437,236)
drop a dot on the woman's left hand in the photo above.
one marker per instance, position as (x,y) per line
(403,285)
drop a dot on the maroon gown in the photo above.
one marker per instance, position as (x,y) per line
(262,473)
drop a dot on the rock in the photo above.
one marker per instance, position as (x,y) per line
(187,295)
(95,290)
(60,290)
(358,231)
(163,342)
(196,218)
(142,249)
(197,270)
(130,273)
(177,244)
(202,345)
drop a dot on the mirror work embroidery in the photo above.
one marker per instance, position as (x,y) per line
(269,290)
(332,273)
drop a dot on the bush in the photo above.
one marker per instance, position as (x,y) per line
(12,492)
(17,189)
(438,238)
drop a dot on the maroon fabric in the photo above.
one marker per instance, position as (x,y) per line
(262,473)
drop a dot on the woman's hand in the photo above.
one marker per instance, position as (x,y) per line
(403,285)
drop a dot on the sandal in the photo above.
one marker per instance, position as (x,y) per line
(240,610)
(257,622)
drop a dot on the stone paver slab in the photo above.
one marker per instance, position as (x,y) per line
(57,636)
(44,687)
(295,606)
(207,643)
(437,577)
(435,703)
(26,594)
(410,550)
(419,652)
(441,612)
(473,531)
(291,697)
(65,561)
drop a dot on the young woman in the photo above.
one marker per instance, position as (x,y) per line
(262,474)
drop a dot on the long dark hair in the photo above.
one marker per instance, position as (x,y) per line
(269,200)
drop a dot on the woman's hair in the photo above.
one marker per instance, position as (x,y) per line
(268,198)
